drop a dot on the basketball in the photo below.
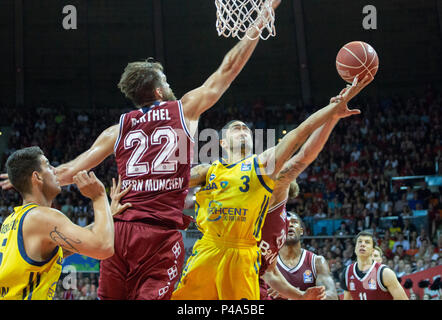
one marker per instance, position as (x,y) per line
(356,58)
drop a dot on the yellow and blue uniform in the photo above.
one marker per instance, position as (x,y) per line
(231,209)
(22,278)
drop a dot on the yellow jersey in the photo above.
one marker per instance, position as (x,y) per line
(233,204)
(22,278)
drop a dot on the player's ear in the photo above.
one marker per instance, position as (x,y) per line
(223,143)
(36,178)
(159,93)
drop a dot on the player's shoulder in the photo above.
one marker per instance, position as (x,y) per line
(42,214)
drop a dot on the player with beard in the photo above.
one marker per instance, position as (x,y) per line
(303,269)
(367,279)
(232,205)
(275,227)
(153,147)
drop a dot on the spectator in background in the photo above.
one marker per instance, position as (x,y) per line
(408,269)
(422,238)
(415,202)
(408,228)
(400,269)
(401,241)
(426,297)
(413,249)
(400,251)
(67,208)
(420,265)
(343,230)
(399,204)
(414,296)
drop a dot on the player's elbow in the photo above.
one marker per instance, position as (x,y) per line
(105,247)
(105,251)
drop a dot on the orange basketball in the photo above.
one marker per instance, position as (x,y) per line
(356,58)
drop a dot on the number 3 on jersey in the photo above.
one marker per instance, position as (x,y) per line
(245,186)
(139,140)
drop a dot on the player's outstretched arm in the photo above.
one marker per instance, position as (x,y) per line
(394,287)
(274,158)
(301,160)
(47,225)
(198,175)
(325,279)
(274,278)
(100,150)
(201,99)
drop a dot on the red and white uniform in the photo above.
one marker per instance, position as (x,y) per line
(303,275)
(153,154)
(368,287)
(273,236)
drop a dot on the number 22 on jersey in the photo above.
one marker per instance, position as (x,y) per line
(139,141)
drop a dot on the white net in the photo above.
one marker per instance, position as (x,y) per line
(245,18)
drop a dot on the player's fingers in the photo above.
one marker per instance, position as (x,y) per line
(92,176)
(76,180)
(119,182)
(82,176)
(354,111)
(124,192)
(367,79)
(355,81)
(126,205)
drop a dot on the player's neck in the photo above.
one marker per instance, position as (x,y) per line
(37,198)
(291,251)
(364,263)
(234,157)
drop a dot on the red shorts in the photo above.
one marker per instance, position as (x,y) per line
(147,263)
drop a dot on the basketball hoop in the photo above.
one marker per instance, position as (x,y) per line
(245,18)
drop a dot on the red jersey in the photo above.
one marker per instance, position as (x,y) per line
(367,287)
(273,236)
(303,275)
(153,154)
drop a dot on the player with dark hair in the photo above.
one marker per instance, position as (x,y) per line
(275,228)
(232,205)
(35,237)
(153,146)
(367,279)
(301,268)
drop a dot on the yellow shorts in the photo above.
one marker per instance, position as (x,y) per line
(220,270)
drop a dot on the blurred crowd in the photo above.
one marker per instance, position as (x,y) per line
(350,180)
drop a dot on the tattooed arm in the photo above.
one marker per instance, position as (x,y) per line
(274,158)
(46,228)
(298,163)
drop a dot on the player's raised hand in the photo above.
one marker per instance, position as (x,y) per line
(116,194)
(352,91)
(348,93)
(275,4)
(5,184)
(315,293)
(89,185)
